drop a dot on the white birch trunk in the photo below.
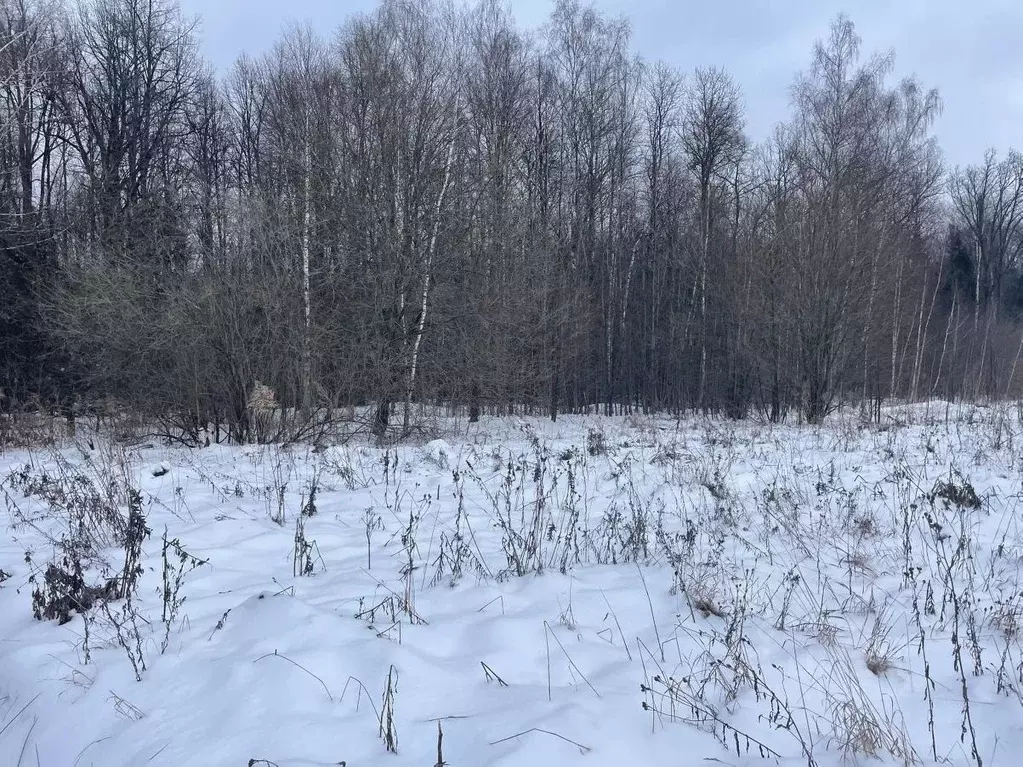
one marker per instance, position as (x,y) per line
(1012,372)
(431,247)
(867,327)
(896,310)
(944,344)
(703,302)
(921,332)
(307,365)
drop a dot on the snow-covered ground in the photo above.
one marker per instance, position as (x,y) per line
(596,591)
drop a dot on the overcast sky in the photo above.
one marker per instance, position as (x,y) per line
(969,50)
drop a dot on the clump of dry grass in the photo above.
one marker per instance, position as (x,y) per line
(858,727)
(705,602)
(880,653)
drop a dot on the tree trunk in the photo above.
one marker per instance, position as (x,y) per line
(417,333)
(307,364)
(381,417)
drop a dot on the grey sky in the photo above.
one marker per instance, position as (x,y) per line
(968,50)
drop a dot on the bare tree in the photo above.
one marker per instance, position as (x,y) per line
(712,138)
(133,72)
(437,206)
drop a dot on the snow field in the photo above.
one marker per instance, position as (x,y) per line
(598,591)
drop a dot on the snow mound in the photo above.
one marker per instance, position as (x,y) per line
(439,453)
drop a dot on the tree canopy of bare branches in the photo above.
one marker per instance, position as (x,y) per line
(434,205)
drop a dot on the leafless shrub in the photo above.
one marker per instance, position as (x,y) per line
(347,467)
(957,492)
(596,441)
(20,430)
(1006,617)
(89,498)
(177,563)
(302,553)
(128,627)
(64,591)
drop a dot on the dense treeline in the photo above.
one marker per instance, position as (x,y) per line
(437,206)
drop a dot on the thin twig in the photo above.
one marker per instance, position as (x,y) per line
(24,745)
(490,673)
(22,711)
(619,625)
(362,688)
(650,602)
(583,749)
(569,657)
(276,654)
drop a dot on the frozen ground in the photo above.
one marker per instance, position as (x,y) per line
(598,591)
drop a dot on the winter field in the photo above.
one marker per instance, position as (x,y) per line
(596,591)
